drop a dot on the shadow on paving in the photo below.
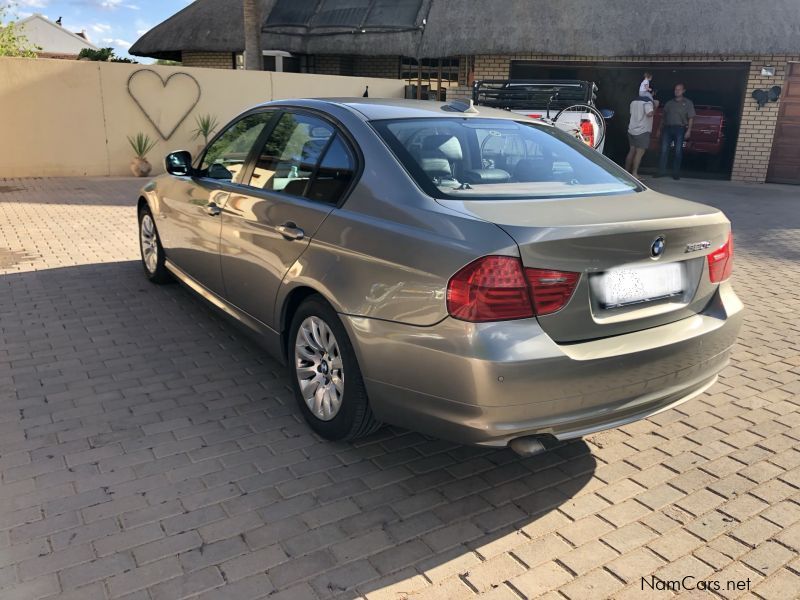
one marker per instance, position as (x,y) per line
(194,423)
(75,191)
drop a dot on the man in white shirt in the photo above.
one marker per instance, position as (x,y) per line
(639,130)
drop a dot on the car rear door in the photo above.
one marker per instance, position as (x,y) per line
(189,212)
(297,176)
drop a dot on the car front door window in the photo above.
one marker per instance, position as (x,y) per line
(225,158)
(291,153)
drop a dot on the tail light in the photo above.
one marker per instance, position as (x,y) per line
(497,288)
(534,116)
(492,288)
(550,290)
(720,261)
(587,132)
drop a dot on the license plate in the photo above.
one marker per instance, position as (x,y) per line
(624,286)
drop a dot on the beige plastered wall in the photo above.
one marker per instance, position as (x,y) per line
(72,118)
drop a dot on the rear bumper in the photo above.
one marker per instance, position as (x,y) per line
(690,147)
(492,382)
(702,148)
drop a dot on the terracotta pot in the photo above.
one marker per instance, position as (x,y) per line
(140,167)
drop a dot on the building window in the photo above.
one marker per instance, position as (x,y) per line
(432,75)
(428,70)
(279,61)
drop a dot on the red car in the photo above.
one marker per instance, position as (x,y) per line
(708,131)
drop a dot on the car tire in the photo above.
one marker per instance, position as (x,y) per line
(151,250)
(322,361)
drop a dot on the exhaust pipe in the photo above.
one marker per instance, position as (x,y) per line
(528,445)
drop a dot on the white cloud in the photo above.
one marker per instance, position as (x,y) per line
(103,4)
(116,42)
(142,27)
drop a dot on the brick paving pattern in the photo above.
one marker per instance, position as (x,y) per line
(150,451)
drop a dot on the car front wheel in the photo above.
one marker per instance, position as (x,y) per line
(325,375)
(151,249)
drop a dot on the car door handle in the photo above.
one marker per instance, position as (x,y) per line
(290,231)
(212,209)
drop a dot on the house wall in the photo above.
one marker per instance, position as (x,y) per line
(56,55)
(359,66)
(377,66)
(334,64)
(757,127)
(72,118)
(51,38)
(208,60)
(324,64)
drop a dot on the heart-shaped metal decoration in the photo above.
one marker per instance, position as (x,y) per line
(164,102)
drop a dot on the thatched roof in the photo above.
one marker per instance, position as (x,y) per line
(438,28)
(204,26)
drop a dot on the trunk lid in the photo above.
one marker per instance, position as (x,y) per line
(608,240)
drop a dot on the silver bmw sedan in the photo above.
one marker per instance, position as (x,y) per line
(463,272)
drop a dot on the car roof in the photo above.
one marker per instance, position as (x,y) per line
(376,109)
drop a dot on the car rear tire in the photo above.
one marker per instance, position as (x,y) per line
(151,249)
(325,375)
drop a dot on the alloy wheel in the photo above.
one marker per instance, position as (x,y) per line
(149,241)
(319,368)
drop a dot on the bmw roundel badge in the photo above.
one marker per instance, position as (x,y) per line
(657,247)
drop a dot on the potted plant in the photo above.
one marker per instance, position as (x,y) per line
(142,144)
(206,125)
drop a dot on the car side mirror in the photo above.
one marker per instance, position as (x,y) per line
(179,163)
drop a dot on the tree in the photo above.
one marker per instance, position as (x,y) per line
(253,61)
(103,55)
(12,42)
(254,13)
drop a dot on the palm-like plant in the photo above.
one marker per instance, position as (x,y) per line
(206,125)
(142,144)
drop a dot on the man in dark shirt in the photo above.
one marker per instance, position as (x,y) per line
(676,126)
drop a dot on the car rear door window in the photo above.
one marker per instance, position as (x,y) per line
(225,157)
(335,173)
(290,155)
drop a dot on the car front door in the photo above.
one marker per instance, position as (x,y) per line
(294,182)
(189,218)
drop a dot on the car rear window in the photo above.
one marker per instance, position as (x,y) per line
(472,158)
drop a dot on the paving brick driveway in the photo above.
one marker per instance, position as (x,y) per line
(148,450)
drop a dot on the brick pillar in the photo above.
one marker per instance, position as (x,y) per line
(492,66)
(757,128)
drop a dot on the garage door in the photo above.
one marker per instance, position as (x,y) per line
(784,165)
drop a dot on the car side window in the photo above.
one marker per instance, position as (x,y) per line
(225,157)
(334,174)
(291,153)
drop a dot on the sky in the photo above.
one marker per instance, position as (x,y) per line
(115,23)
